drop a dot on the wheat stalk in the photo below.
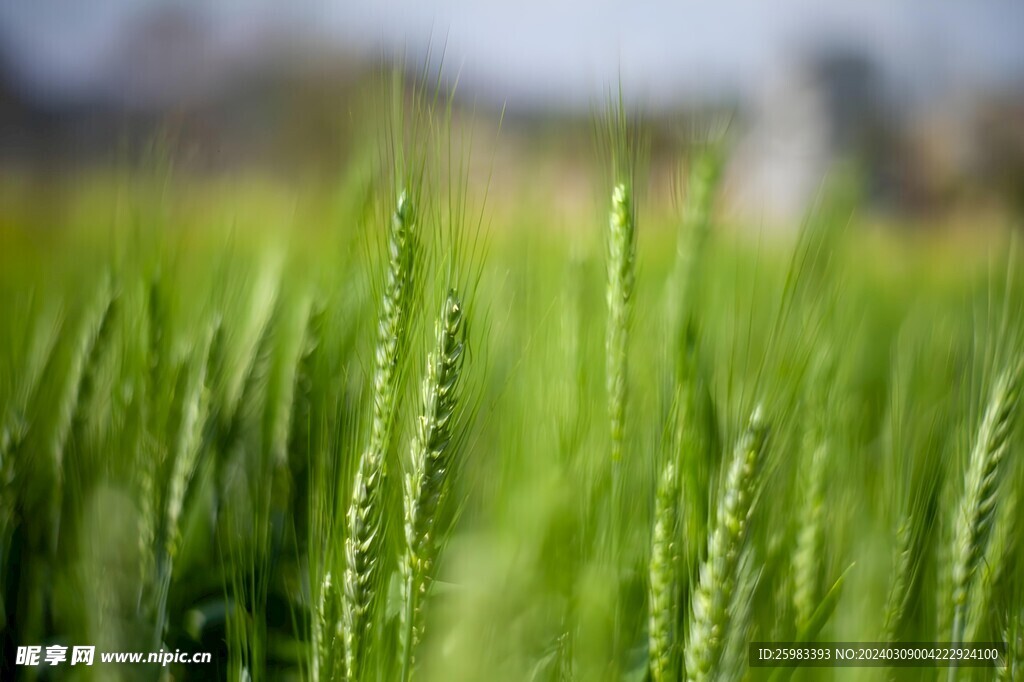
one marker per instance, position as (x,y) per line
(427,482)
(719,573)
(363,543)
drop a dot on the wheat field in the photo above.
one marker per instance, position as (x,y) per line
(387,430)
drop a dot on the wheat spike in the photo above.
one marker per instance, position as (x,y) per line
(719,573)
(902,575)
(187,442)
(432,462)
(980,498)
(621,266)
(810,541)
(663,588)
(364,538)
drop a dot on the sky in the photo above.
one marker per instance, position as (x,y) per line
(537,53)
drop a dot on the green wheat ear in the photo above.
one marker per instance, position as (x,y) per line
(898,597)
(426,485)
(980,499)
(695,229)
(664,585)
(808,555)
(712,602)
(364,541)
(621,267)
